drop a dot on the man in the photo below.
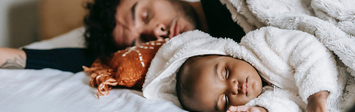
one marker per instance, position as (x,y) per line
(113,25)
(124,23)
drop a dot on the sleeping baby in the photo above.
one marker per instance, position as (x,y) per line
(271,69)
(215,83)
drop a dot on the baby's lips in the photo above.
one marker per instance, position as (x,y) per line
(245,88)
(247,85)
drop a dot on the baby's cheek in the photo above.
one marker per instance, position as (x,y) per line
(257,87)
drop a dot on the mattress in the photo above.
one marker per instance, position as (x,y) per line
(50,90)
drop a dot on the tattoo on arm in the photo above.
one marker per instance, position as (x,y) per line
(16,63)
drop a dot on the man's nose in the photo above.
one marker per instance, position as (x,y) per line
(234,86)
(160,31)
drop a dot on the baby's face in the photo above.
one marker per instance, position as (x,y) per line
(222,81)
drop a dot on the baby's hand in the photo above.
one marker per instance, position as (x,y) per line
(246,109)
(318,102)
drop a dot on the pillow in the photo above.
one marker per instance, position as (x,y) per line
(72,39)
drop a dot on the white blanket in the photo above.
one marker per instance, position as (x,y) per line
(52,90)
(331,21)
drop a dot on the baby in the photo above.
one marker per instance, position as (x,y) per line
(214,83)
(218,83)
(271,69)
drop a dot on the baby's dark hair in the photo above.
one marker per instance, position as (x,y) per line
(184,90)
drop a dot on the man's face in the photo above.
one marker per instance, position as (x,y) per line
(139,21)
(221,82)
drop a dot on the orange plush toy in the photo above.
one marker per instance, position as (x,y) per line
(126,68)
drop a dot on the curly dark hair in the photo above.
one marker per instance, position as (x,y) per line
(99,24)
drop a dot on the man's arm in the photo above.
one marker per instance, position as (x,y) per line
(12,58)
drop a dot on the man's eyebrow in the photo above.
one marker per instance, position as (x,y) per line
(133,12)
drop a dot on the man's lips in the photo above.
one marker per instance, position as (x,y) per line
(174,30)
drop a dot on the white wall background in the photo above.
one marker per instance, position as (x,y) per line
(18,22)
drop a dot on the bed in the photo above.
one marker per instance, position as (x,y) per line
(57,91)
(51,90)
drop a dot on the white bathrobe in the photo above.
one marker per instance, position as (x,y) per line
(332,22)
(294,61)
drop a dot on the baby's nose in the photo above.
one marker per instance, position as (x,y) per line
(235,87)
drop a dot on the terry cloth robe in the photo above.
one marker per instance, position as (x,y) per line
(294,61)
(332,22)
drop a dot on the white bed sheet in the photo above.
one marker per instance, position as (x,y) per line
(50,90)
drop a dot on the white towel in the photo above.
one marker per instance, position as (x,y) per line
(331,21)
